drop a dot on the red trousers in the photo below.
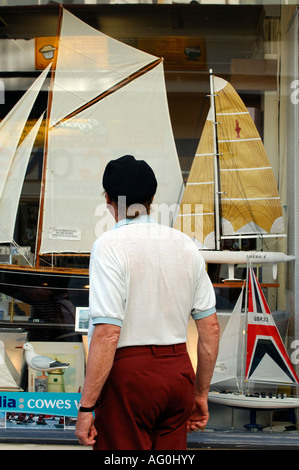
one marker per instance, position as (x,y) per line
(146,400)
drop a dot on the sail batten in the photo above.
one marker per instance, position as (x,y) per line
(236,113)
(203,182)
(247,169)
(239,140)
(250,198)
(195,214)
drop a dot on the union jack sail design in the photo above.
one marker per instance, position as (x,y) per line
(267,359)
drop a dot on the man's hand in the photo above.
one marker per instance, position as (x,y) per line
(199,416)
(207,350)
(100,360)
(85,430)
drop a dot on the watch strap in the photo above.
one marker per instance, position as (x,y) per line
(85,409)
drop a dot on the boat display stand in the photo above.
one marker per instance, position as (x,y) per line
(253,426)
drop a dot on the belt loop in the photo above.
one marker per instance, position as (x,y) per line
(175,349)
(153,348)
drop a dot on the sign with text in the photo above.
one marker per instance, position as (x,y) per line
(59,404)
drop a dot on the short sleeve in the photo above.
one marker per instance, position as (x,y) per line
(204,298)
(107,285)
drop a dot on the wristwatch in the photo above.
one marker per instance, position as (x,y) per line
(84,409)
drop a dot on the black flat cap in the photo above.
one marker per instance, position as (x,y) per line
(131,178)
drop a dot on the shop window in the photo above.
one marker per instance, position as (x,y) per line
(41,303)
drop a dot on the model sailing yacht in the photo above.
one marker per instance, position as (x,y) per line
(231,193)
(251,352)
(106,99)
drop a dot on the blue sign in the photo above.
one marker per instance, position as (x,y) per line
(58,404)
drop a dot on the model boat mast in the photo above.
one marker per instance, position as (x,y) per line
(217,194)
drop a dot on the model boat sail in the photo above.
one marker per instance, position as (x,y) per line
(106,99)
(251,351)
(123,101)
(231,191)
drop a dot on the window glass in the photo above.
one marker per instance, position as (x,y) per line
(89,107)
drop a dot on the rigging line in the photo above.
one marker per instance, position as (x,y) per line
(203,105)
(21,251)
(236,179)
(111,90)
(259,234)
(99,62)
(232,201)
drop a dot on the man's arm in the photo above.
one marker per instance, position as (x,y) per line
(207,351)
(100,360)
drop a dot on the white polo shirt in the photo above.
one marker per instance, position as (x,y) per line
(148,278)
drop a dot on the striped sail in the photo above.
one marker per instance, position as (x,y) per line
(266,359)
(249,200)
